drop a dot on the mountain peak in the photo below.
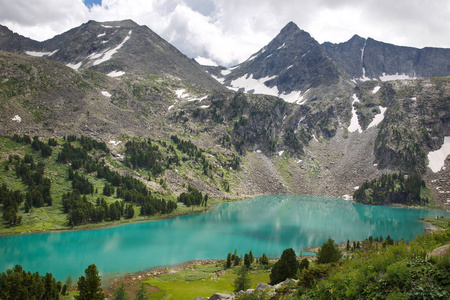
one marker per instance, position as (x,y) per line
(291,26)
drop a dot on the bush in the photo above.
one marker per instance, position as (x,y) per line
(329,252)
(285,267)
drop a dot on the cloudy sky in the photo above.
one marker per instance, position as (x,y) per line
(229,31)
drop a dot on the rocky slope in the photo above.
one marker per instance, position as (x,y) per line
(368,59)
(343,135)
(288,67)
(294,65)
(113,48)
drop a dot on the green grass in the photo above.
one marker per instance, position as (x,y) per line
(53,218)
(439,222)
(200,281)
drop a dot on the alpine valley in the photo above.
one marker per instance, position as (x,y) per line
(297,117)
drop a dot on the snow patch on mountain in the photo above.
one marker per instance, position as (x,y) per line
(354,123)
(257,86)
(108,53)
(221,80)
(386,77)
(101,34)
(282,46)
(250,85)
(225,72)
(437,158)
(106,94)
(17,119)
(181,93)
(295,97)
(75,66)
(198,99)
(40,54)
(378,118)
(116,73)
(376,89)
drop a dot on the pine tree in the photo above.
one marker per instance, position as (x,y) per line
(141,293)
(90,286)
(228,265)
(264,260)
(120,293)
(247,260)
(285,267)
(304,264)
(242,281)
(329,252)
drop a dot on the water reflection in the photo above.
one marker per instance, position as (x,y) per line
(267,224)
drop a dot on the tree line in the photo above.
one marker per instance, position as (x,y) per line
(144,154)
(11,201)
(80,210)
(391,188)
(193,197)
(18,284)
(38,194)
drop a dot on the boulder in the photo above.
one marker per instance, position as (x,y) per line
(263,286)
(440,251)
(220,296)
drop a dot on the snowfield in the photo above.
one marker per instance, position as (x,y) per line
(376,89)
(378,118)
(354,123)
(40,54)
(75,66)
(437,158)
(108,53)
(257,86)
(116,73)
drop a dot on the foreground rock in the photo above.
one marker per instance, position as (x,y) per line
(260,287)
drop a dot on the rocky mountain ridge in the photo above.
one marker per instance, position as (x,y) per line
(113,48)
(368,59)
(294,64)
(344,132)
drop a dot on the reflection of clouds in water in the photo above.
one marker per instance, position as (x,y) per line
(111,244)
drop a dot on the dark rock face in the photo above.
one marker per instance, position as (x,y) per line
(371,59)
(13,42)
(292,61)
(121,46)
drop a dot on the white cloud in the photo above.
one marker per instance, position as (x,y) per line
(229,31)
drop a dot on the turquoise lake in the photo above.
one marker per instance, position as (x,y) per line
(267,224)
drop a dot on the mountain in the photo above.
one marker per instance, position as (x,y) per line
(293,65)
(368,59)
(289,66)
(343,133)
(113,48)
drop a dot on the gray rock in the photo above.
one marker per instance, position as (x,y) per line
(263,286)
(220,296)
(377,58)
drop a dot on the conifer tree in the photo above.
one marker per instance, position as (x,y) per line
(329,252)
(90,285)
(242,281)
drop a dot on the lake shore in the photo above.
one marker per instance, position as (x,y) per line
(194,210)
(123,221)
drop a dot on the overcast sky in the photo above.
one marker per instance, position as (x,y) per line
(229,31)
